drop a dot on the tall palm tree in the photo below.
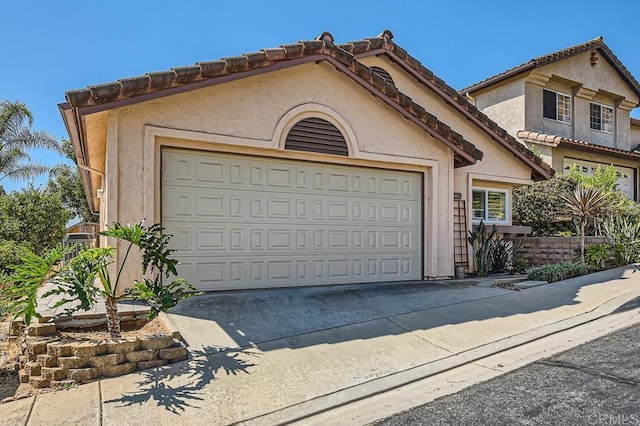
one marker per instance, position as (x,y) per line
(17,138)
(584,204)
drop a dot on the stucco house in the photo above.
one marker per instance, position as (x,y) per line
(574,106)
(312,163)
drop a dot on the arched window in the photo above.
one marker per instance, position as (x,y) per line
(316,135)
(384,74)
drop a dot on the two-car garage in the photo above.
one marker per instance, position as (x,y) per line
(244,221)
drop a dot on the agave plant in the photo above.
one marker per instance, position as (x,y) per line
(584,204)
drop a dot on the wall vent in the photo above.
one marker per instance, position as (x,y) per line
(316,135)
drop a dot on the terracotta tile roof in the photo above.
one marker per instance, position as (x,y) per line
(152,85)
(635,121)
(384,44)
(575,143)
(595,44)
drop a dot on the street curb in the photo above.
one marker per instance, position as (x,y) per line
(341,398)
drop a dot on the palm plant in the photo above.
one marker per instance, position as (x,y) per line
(76,281)
(584,204)
(16,137)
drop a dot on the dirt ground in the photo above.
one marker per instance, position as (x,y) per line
(9,350)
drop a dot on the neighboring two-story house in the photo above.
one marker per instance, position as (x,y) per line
(573,106)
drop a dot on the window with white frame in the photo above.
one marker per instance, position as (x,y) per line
(556,106)
(601,117)
(489,205)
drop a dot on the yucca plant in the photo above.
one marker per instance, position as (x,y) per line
(624,236)
(584,204)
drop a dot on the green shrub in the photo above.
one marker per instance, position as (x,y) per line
(558,272)
(537,205)
(519,265)
(10,254)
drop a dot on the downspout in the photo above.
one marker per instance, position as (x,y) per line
(98,172)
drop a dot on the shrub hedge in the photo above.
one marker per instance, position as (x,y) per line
(558,272)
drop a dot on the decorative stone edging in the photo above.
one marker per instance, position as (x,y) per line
(48,361)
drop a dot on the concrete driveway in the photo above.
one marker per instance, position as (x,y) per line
(267,357)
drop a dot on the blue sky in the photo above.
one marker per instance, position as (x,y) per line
(49,47)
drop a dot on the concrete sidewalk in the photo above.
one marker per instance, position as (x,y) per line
(281,356)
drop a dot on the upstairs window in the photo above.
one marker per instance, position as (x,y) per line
(489,205)
(601,118)
(556,106)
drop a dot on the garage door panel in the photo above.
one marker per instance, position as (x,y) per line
(205,239)
(248,273)
(252,176)
(245,222)
(625,176)
(186,203)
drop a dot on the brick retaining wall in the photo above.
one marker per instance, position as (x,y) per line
(50,361)
(547,250)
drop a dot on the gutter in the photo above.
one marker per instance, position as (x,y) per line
(71,119)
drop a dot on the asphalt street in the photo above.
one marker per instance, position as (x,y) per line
(597,383)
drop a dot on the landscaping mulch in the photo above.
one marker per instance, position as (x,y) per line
(507,286)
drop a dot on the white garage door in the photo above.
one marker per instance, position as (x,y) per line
(248,222)
(625,183)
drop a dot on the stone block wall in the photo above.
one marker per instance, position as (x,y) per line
(548,250)
(48,361)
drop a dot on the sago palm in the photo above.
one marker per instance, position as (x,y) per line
(585,204)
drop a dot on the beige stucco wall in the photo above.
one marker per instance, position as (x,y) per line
(634,133)
(251,116)
(498,169)
(504,104)
(601,77)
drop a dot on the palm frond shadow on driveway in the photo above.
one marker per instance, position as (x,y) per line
(157,385)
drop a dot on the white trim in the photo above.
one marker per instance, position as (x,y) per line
(309,110)
(507,206)
(557,109)
(613,118)
(500,179)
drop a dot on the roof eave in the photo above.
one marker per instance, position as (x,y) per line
(598,150)
(498,79)
(537,170)
(71,118)
(109,96)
